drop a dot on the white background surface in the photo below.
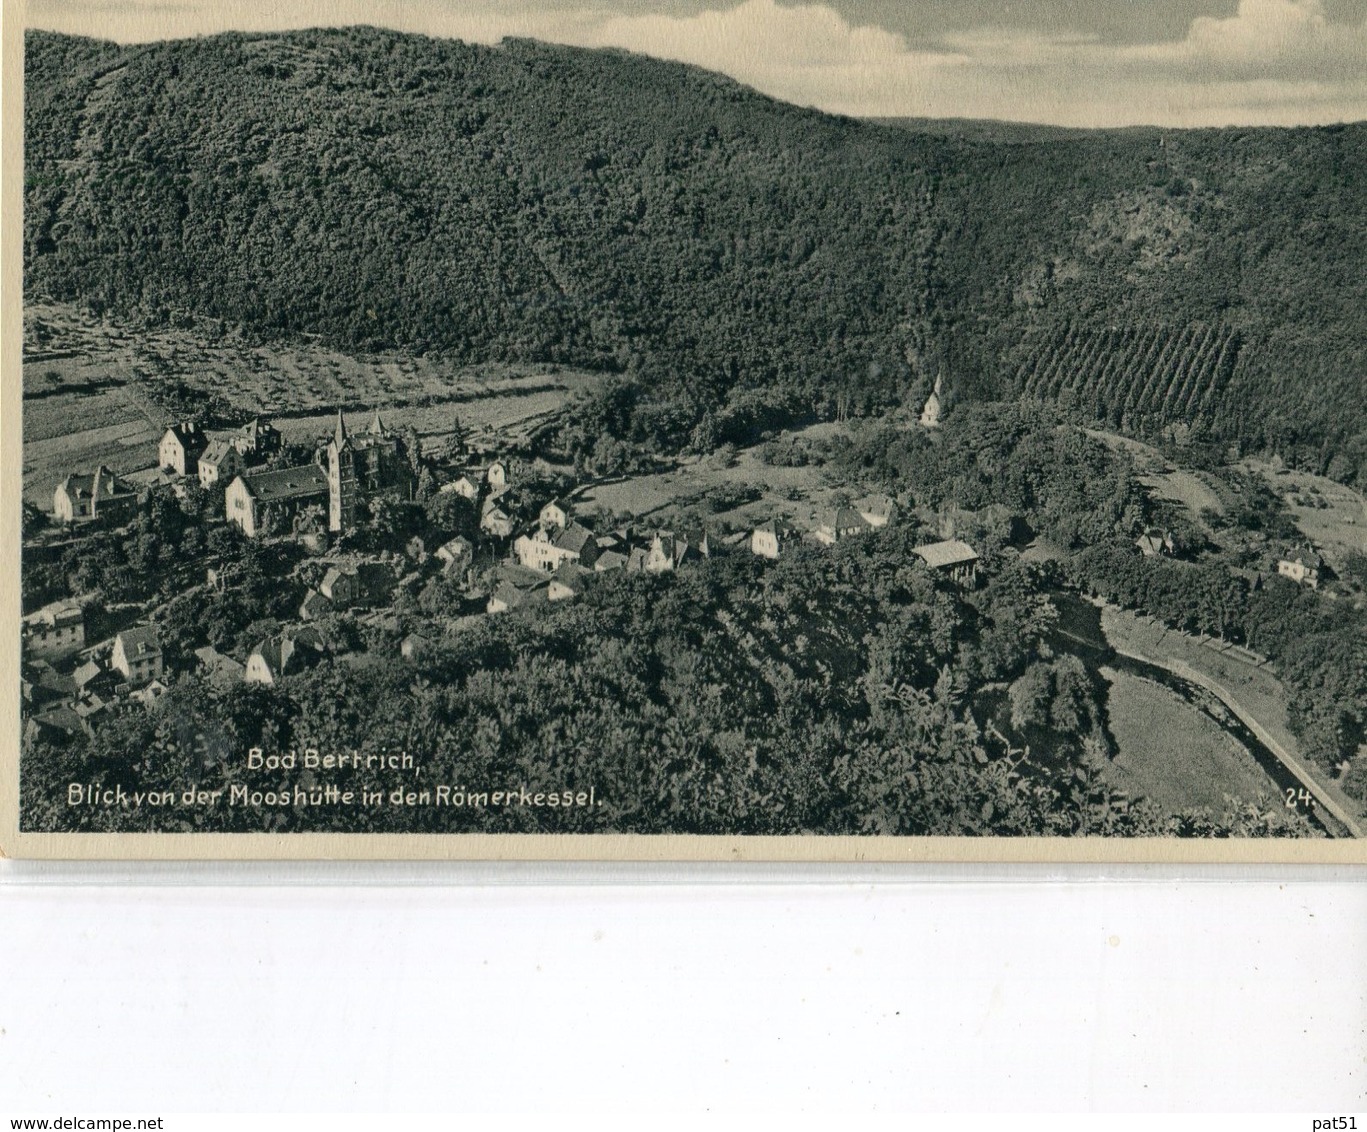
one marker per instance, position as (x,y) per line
(1010,994)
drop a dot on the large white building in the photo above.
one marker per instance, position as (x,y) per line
(267,502)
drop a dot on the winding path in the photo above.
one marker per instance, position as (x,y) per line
(1292,763)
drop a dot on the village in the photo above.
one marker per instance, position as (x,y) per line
(524,537)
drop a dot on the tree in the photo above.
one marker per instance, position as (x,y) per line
(1031,696)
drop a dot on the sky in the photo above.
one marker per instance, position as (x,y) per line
(1067,62)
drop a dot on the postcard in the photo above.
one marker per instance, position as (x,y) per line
(686,430)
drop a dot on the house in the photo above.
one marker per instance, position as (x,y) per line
(40,683)
(269,502)
(255,441)
(222,670)
(1154,543)
(180,448)
(518,587)
(636,560)
(567,582)
(464,487)
(88,674)
(555,514)
(497,522)
(56,725)
(219,578)
(149,694)
(368,582)
(341,585)
(876,510)
(282,655)
(314,606)
(56,630)
(100,496)
(546,550)
(137,654)
(696,539)
(577,544)
(496,475)
(1302,566)
(956,559)
(668,552)
(219,462)
(414,647)
(840,523)
(768,540)
(610,560)
(92,711)
(145,481)
(457,554)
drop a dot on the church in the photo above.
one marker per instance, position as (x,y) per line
(362,466)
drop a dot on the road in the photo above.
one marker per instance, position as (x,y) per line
(1330,800)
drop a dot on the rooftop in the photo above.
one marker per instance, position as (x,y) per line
(951,552)
(141,640)
(287,483)
(216,451)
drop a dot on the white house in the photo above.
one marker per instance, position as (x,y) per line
(219,462)
(137,654)
(180,447)
(555,514)
(876,510)
(768,540)
(56,630)
(1302,566)
(547,550)
(838,524)
(457,554)
(279,656)
(268,501)
(101,495)
(464,487)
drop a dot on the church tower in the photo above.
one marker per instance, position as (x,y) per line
(342,491)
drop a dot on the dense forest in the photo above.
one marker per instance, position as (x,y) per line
(710,244)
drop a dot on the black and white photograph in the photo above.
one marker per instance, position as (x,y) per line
(688,428)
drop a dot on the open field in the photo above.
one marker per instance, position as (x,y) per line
(1171,753)
(1192,490)
(793,493)
(1186,488)
(1333,517)
(65,347)
(1256,686)
(1252,690)
(91,390)
(488,409)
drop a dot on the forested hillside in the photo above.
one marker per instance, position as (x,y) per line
(544,203)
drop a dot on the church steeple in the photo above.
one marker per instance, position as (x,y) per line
(339,437)
(377,426)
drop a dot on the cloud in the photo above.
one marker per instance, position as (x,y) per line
(1273,62)
(1265,40)
(1262,30)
